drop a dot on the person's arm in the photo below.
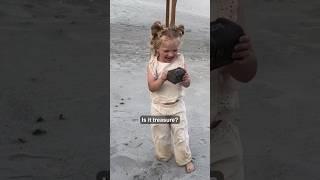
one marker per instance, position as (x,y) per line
(155,84)
(245,65)
(186,81)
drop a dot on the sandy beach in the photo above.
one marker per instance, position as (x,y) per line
(132,151)
(53,98)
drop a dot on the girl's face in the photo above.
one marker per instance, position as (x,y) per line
(168,50)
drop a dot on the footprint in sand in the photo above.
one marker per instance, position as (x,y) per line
(153,172)
(122,167)
(126,168)
(156,171)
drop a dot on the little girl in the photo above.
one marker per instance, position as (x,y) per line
(225,144)
(166,97)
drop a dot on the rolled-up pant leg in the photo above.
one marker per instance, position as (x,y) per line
(181,140)
(226,151)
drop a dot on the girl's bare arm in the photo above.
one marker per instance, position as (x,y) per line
(155,84)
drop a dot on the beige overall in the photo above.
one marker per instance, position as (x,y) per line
(169,139)
(225,144)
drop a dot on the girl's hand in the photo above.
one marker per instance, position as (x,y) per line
(154,84)
(244,67)
(164,75)
(186,80)
(242,50)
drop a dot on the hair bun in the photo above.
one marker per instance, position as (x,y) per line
(180,29)
(155,28)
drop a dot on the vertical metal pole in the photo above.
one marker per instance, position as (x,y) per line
(167,12)
(173,13)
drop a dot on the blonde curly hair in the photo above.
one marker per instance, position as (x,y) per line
(158,30)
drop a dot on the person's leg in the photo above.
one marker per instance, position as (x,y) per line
(181,146)
(226,151)
(161,136)
(162,141)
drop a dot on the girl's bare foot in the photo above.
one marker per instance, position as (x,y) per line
(190,167)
